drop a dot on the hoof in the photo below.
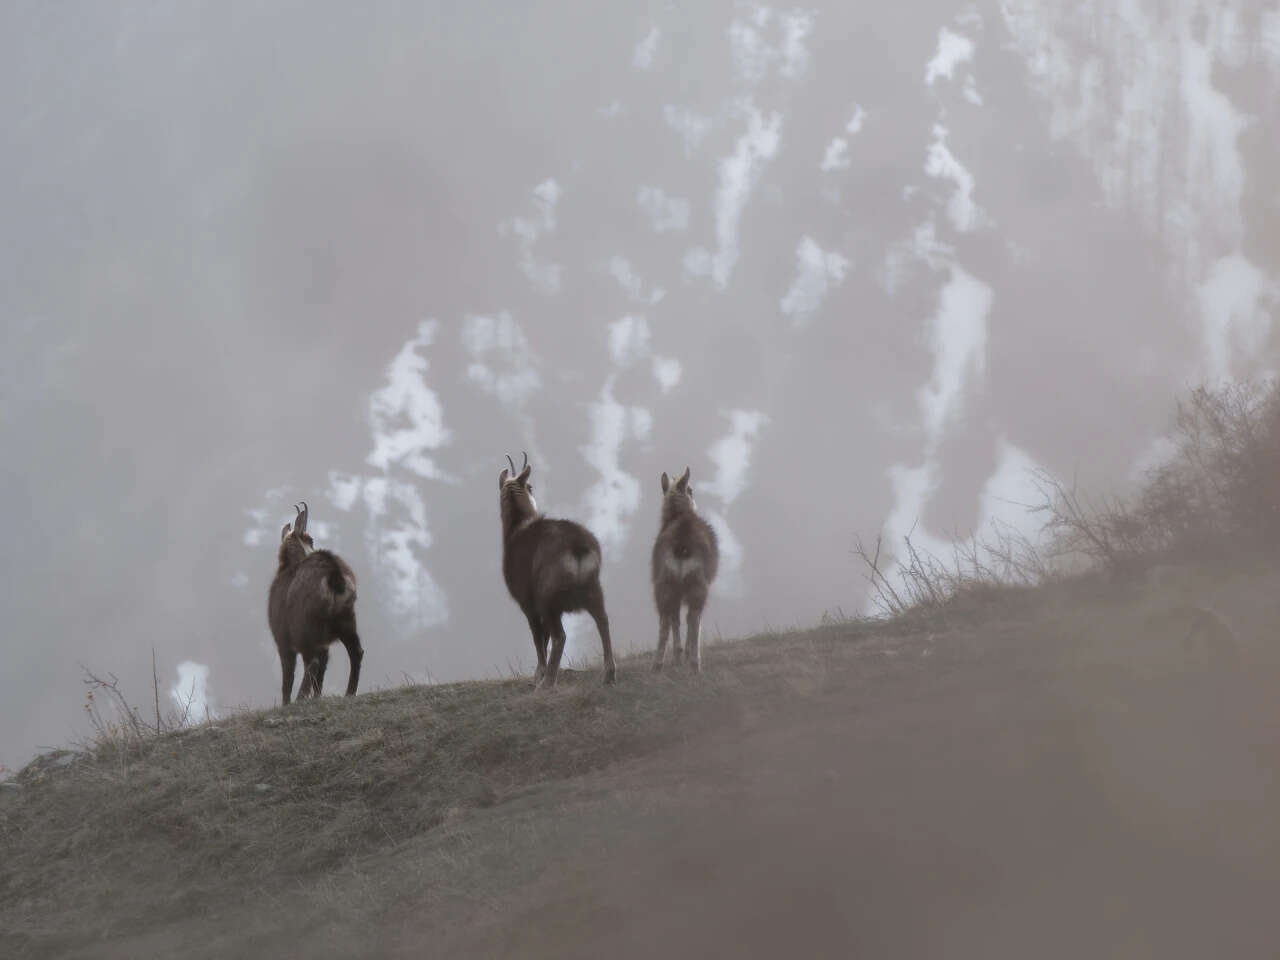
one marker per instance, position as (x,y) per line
(610,677)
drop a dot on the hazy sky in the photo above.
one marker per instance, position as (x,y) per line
(858,268)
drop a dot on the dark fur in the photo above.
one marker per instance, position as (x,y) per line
(686,537)
(535,556)
(312,603)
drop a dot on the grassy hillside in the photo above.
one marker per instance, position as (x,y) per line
(270,820)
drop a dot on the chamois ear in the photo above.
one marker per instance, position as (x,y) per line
(666,481)
(502,479)
(284,531)
(683,483)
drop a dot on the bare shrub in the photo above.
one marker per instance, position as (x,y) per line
(1217,494)
(1214,497)
(981,568)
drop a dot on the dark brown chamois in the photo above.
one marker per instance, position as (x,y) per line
(685,559)
(312,603)
(552,567)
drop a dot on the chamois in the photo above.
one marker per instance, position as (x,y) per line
(311,604)
(552,567)
(685,559)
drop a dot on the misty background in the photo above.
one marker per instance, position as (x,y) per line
(859,268)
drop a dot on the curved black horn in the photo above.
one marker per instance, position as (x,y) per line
(302,517)
(526,460)
(512,463)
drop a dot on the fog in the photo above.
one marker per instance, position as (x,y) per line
(860,269)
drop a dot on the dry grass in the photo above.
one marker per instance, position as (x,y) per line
(135,831)
(137,834)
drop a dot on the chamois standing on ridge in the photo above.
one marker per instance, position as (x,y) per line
(552,567)
(311,604)
(685,560)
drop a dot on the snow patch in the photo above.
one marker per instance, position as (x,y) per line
(1236,321)
(628,340)
(646,50)
(731,455)
(953,50)
(837,155)
(739,174)
(190,693)
(941,164)
(1009,491)
(665,213)
(755,53)
(958,336)
(405,416)
(344,490)
(542,274)
(502,363)
(615,497)
(692,127)
(621,270)
(817,273)
(667,371)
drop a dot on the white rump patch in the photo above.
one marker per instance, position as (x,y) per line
(682,568)
(581,567)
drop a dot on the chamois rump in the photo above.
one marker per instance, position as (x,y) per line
(311,604)
(685,560)
(551,567)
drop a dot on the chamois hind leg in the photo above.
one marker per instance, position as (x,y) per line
(355,653)
(693,638)
(664,628)
(318,667)
(677,653)
(304,688)
(288,665)
(557,650)
(595,607)
(539,646)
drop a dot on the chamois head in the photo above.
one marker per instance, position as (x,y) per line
(295,542)
(515,496)
(677,497)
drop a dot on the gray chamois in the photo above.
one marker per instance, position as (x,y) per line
(685,560)
(312,603)
(552,567)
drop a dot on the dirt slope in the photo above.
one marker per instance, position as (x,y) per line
(1072,773)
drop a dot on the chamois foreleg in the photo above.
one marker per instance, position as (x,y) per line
(557,650)
(288,665)
(540,647)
